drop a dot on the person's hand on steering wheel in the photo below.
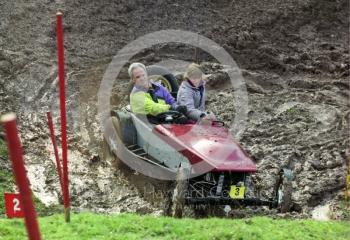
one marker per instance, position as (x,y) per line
(181,108)
(172,117)
(207,118)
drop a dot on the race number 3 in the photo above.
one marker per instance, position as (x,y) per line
(237,192)
(13,205)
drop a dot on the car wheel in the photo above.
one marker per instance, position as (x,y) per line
(169,81)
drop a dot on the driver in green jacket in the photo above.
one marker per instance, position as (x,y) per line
(147,97)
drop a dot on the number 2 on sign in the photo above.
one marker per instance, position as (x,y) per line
(16,207)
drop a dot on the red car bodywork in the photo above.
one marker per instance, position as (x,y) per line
(212,144)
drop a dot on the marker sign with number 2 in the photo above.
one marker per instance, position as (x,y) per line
(13,205)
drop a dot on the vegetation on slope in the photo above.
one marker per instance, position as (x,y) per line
(129,226)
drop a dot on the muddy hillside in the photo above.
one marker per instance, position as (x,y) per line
(294,56)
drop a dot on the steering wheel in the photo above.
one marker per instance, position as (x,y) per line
(168,116)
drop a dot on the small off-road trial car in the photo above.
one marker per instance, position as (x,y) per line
(206,164)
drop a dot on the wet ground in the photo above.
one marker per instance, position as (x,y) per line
(294,56)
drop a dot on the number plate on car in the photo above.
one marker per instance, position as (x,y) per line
(237,192)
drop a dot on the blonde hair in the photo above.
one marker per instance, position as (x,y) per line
(193,70)
(133,66)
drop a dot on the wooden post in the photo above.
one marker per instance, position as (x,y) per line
(16,156)
(60,56)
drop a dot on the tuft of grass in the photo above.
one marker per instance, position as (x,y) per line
(43,210)
(6,177)
(3,149)
(344,208)
(130,226)
(293,111)
(296,111)
(7,183)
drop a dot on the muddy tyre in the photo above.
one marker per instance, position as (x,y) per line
(169,81)
(283,190)
(178,201)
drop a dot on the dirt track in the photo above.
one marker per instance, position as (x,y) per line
(294,56)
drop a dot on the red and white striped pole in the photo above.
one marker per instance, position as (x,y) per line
(54,143)
(60,57)
(16,156)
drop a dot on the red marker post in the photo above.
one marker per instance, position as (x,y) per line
(60,57)
(15,151)
(53,140)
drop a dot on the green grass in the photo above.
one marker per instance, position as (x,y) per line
(129,226)
(6,178)
(7,183)
(3,148)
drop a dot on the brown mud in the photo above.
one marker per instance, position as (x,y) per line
(294,56)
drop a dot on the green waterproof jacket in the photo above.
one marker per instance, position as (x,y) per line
(141,101)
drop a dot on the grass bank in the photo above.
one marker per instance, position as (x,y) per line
(7,184)
(129,226)
(6,178)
